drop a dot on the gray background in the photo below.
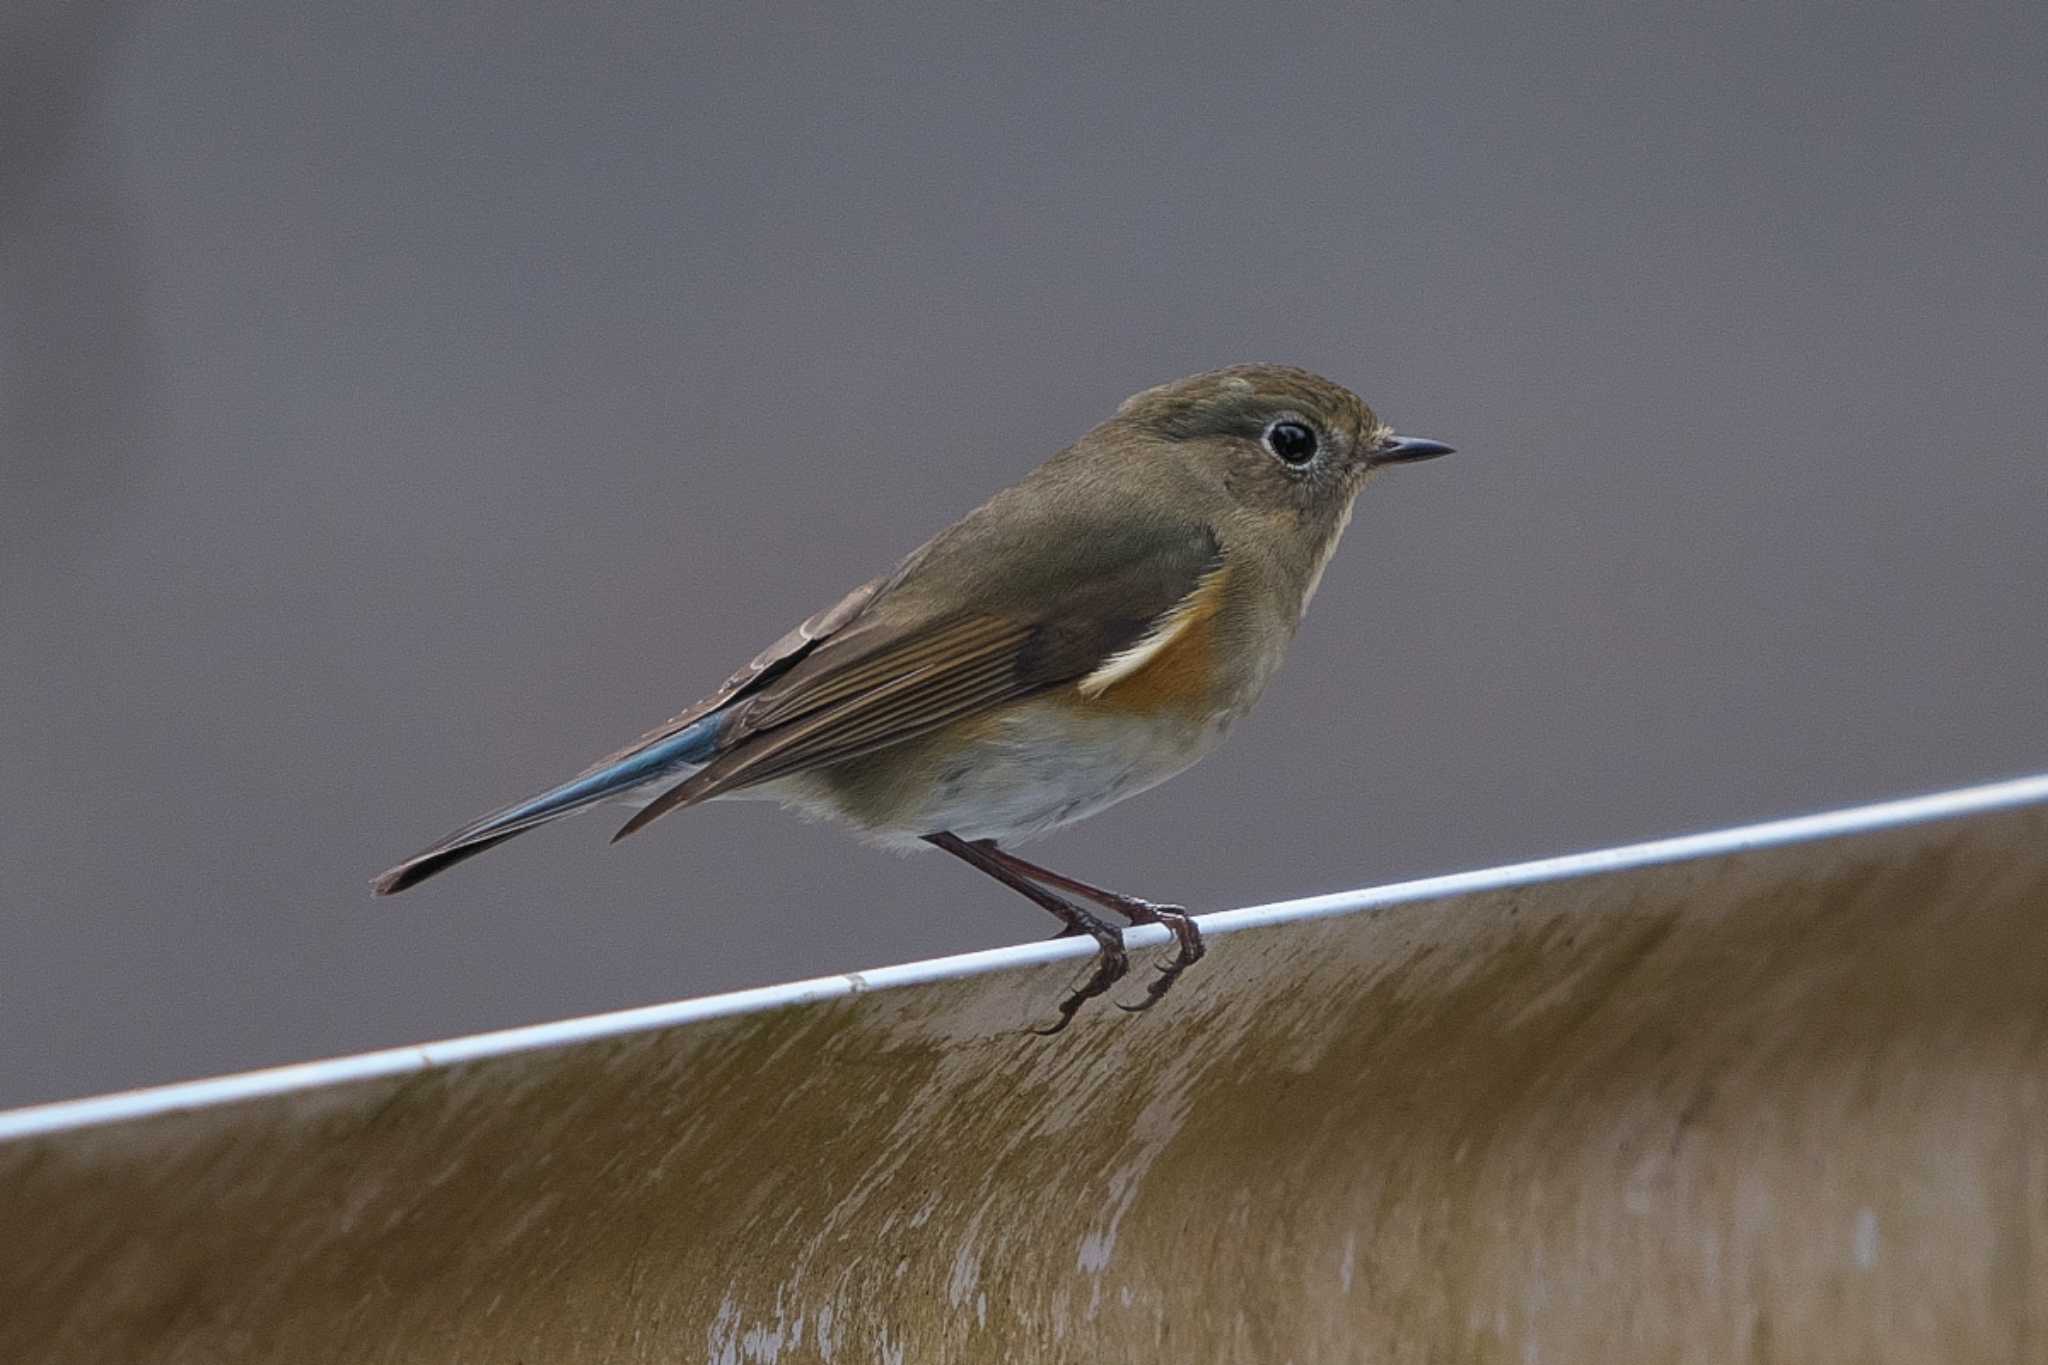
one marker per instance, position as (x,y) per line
(401,405)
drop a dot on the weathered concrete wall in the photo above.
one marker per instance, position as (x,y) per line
(1783,1105)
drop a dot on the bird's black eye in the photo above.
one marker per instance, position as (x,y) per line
(1294,442)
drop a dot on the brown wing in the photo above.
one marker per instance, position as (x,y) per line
(884,682)
(770,664)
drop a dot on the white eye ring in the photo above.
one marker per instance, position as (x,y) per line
(1292,441)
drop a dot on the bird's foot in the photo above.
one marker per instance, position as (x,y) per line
(1111,963)
(1186,933)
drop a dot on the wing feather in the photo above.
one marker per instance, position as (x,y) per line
(878,684)
(970,667)
(764,668)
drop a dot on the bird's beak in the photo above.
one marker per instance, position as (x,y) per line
(1405,449)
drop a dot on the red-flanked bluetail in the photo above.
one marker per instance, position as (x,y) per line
(1080,637)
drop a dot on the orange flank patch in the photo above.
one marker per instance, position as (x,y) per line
(1171,667)
(1177,677)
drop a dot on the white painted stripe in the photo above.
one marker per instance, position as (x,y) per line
(136,1104)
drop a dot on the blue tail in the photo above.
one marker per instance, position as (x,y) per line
(692,744)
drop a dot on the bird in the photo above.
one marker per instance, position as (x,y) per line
(1082,636)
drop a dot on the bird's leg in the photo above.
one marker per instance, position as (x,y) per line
(1110,961)
(1185,931)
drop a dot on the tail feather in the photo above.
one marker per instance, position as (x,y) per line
(421,866)
(635,768)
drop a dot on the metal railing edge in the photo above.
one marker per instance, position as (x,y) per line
(65,1115)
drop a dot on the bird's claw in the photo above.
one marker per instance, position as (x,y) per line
(1111,965)
(1188,935)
